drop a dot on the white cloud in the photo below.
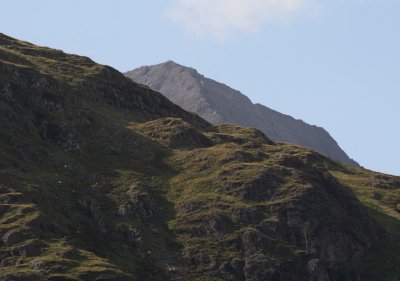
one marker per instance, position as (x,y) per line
(219,18)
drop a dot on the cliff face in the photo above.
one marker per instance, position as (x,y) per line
(218,103)
(105,179)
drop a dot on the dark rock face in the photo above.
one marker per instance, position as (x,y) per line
(131,235)
(315,271)
(144,204)
(218,103)
(384,182)
(141,203)
(105,179)
(92,207)
(216,226)
(253,190)
(297,212)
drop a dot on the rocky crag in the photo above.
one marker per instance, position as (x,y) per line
(105,179)
(218,104)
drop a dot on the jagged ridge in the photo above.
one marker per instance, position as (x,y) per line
(219,103)
(104,179)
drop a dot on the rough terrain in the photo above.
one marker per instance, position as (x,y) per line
(218,104)
(105,179)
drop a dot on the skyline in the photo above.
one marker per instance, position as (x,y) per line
(334,64)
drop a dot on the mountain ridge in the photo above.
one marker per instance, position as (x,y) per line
(219,103)
(103,179)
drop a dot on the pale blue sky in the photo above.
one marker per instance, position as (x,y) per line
(333,63)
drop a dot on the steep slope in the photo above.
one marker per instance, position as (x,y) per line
(219,104)
(104,179)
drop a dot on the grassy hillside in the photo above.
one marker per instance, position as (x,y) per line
(105,179)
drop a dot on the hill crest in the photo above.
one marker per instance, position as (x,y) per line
(219,103)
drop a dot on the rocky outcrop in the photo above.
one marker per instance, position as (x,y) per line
(219,103)
(105,179)
(291,222)
(315,271)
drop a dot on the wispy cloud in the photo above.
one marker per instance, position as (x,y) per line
(219,18)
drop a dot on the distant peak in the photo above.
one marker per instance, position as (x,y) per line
(171,63)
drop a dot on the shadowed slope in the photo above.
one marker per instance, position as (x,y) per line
(104,179)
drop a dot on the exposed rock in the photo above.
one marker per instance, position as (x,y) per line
(39,265)
(216,225)
(384,182)
(315,271)
(251,216)
(141,203)
(258,187)
(255,242)
(11,198)
(21,276)
(30,249)
(191,206)
(258,268)
(14,236)
(237,268)
(144,205)
(93,208)
(59,135)
(157,193)
(70,253)
(219,104)
(131,234)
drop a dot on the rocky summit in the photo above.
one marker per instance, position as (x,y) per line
(218,104)
(105,179)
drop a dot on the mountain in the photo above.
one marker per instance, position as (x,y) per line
(104,179)
(218,104)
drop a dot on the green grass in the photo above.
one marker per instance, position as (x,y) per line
(133,141)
